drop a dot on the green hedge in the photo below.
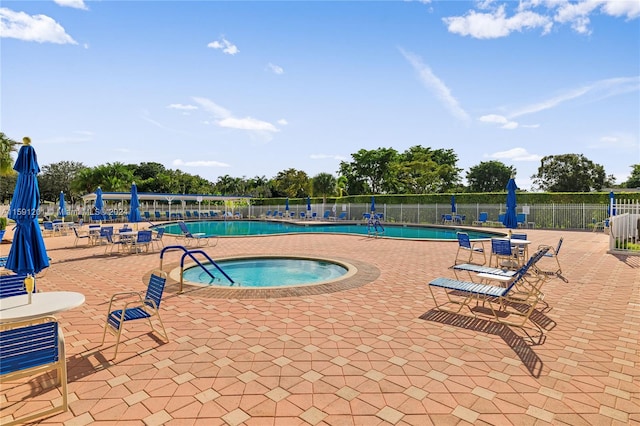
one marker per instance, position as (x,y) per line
(463,198)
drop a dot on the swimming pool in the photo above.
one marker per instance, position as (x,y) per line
(240,228)
(261,272)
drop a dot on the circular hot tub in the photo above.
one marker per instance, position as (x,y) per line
(266,272)
(322,275)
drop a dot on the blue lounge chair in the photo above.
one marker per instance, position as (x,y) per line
(327,215)
(342,216)
(199,239)
(136,308)
(517,299)
(482,219)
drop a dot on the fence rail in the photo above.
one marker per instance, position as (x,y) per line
(541,216)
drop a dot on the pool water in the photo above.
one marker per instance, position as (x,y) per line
(267,272)
(251,228)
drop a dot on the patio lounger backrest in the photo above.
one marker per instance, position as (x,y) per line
(30,348)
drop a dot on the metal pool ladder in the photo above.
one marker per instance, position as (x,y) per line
(190,254)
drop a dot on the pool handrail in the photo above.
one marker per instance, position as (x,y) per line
(190,253)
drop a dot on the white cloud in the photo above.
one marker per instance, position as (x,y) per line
(600,89)
(182,107)
(496,24)
(282,122)
(38,28)
(224,118)
(533,14)
(275,69)
(213,108)
(76,4)
(515,154)
(199,163)
(617,141)
(327,156)
(247,123)
(224,45)
(499,119)
(435,85)
(595,91)
(630,9)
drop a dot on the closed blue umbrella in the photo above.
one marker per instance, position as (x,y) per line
(308,203)
(511,218)
(62,208)
(99,202)
(286,205)
(134,210)
(611,210)
(373,204)
(453,204)
(28,254)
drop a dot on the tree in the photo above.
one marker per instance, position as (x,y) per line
(634,179)
(423,170)
(292,183)
(7,147)
(371,168)
(324,184)
(489,176)
(569,173)
(58,177)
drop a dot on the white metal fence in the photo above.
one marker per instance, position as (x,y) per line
(542,216)
(624,226)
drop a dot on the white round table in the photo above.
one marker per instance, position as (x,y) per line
(17,308)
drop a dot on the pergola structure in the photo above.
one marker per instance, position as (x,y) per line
(151,201)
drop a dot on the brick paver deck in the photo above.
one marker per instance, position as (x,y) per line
(374,354)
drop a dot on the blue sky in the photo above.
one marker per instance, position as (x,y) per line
(254,88)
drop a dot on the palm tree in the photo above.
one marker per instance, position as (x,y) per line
(324,184)
(7,147)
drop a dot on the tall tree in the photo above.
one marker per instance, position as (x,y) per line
(324,184)
(58,177)
(292,183)
(423,170)
(634,179)
(371,167)
(569,173)
(7,147)
(489,176)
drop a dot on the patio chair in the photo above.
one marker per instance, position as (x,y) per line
(142,242)
(517,299)
(553,254)
(157,239)
(31,348)
(314,215)
(199,239)
(49,230)
(327,214)
(80,235)
(12,285)
(447,219)
(482,219)
(342,216)
(157,215)
(467,249)
(502,254)
(136,308)
(303,215)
